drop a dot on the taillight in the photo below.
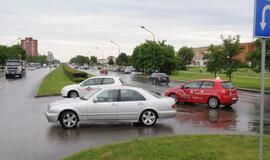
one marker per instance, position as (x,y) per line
(174,106)
(223,91)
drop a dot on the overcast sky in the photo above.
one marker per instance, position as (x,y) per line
(70,27)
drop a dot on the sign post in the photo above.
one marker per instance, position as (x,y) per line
(262,30)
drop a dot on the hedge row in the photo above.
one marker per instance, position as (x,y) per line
(73,74)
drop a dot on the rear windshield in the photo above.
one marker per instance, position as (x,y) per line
(13,63)
(159,75)
(227,85)
(153,93)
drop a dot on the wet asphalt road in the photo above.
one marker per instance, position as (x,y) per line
(25,133)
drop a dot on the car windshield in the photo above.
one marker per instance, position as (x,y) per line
(12,63)
(227,85)
(90,94)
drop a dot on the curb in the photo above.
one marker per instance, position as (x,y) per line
(252,90)
(49,95)
(240,89)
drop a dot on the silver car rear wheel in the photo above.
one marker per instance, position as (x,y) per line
(148,118)
(69,119)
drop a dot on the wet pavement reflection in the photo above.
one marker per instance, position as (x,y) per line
(26,132)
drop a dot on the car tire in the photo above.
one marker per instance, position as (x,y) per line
(7,77)
(20,76)
(68,119)
(148,118)
(73,94)
(174,97)
(213,102)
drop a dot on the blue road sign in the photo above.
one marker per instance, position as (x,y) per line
(262,19)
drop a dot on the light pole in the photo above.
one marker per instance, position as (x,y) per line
(149,32)
(14,41)
(117,46)
(100,50)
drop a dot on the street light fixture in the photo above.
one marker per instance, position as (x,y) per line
(14,41)
(101,51)
(117,46)
(149,32)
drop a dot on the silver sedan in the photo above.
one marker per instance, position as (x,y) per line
(121,103)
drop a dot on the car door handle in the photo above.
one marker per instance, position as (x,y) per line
(140,104)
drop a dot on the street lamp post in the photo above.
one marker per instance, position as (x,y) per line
(14,41)
(143,27)
(101,51)
(117,46)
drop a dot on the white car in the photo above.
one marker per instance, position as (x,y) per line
(122,103)
(78,90)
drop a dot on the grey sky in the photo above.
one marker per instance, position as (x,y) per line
(70,27)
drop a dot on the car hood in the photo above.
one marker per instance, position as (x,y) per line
(67,102)
(73,86)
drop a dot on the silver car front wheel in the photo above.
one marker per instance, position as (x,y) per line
(148,118)
(68,119)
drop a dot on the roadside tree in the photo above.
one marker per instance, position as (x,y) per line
(184,57)
(255,56)
(111,62)
(3,55)
(153,56)
(215,59)
(231,48)
(122,60)
(93,60)
(80,60)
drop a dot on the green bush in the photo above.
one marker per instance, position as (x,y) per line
(73,74)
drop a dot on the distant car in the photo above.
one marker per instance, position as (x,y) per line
(128,70)
(156,78)
(31,68)
(115,103)
(212,92)
(78,90)
(76,67)
(103,71)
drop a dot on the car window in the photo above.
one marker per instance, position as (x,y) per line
(227,85)
(94,81)
(130,95)
(207,84)
(192,85)
(108,81)
(108,96)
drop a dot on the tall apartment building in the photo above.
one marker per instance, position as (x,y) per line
(30,45)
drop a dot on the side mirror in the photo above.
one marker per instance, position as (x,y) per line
(95,100)
(82,85)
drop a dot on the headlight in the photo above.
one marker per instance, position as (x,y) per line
(49,107)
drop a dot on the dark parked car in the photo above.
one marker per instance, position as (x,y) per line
(156,78)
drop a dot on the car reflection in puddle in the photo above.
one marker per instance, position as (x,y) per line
(197,115)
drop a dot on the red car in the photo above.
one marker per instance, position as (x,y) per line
(103,71)
(211,92)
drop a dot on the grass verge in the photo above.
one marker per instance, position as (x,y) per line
(54,82)
(188,147)
(238,81)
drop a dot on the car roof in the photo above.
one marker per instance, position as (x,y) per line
(120,87)
(105,77)
(211,80)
